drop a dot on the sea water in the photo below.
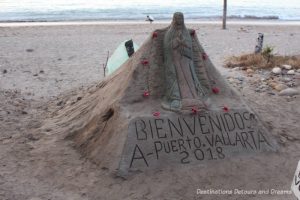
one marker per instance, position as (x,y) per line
(82,10)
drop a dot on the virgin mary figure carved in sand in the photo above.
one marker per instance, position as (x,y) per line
(183,88)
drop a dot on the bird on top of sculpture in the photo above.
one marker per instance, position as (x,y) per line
(184,91)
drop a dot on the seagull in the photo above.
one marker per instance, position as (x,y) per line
(150,18)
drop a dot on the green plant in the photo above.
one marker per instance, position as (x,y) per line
(267,53)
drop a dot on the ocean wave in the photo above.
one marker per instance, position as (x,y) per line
(268,17)
(202,13)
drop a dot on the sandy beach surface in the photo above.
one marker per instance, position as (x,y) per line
(39,65)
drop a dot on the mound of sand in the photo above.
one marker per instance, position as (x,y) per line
(98,121)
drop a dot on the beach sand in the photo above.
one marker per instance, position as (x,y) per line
(73,56)
(39,65)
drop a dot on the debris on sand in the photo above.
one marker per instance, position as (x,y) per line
(29,50)
(258,61)
(280,74)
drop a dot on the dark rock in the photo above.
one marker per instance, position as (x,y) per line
(60,103)
(257,90)
(4,71)
(35,74)
(29,50)
(104,168)
(291,84)
(42,71)
(79,98)
(24,112)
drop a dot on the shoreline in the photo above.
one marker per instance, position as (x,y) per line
(139,22)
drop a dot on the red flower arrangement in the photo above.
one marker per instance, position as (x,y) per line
(145,62)
(146,93)
(154,35)
(215,90)
(193,32)
(225,109)
(194,110)
(204,56)
(156,114)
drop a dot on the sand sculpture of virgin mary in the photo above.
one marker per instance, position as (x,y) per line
(183,88)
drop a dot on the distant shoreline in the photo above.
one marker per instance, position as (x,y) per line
(139,18)
(133,22)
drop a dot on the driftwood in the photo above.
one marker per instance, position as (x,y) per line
(105,65)
(260,41)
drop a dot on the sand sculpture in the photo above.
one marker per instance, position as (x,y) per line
(166,105)
(183,87)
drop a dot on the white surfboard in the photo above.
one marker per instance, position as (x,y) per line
(119,57)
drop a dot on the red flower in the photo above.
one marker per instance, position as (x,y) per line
(193,32)
(154,35)
(156,114)
(146,93)
(204,56)
(145,62)
(194,110)
(225,109)
(215,90)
